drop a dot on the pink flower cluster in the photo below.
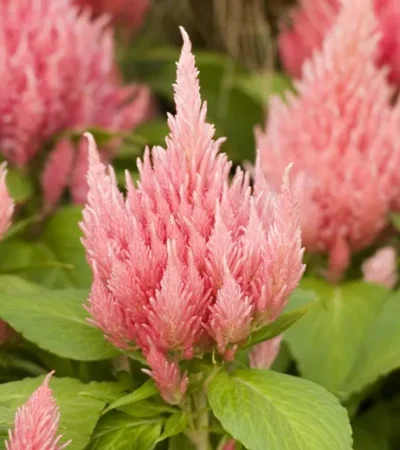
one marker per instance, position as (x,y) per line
(128,13)
(188,260)
(57,73)
(381,268)
(311,21)
(37,422)
(340,133)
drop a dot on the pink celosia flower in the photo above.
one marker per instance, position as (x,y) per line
(128,13)
(263,355)
(50,82)
(381,268)
(187,259)
(230,445)
(37,422)
(339,134)
(6,203)
(311,21)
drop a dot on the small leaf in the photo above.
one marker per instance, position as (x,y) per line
(62,237)
(268,410)
(118,431)
(174,425)
(147,408)
(148,389)
(19,185)
(326,342)
(60,323)
(284,321)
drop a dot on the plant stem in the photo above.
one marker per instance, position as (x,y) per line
(200,436)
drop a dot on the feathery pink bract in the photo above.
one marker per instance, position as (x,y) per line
(381,268)
(312,20)
(188,259)
(263,355)
(128,13)
(6,202)
(339,134)
(37,422)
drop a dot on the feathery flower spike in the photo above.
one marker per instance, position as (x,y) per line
(338,132)
(36,422)
(188,261)
(311,20)
(6,202)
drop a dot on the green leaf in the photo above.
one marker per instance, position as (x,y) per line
(62,237)
(327,341)
(395,219)
(7,416)
(148,389)
(118,431)
(365,439)
(267,410)
(285,320)
(262,85)
(19,185)
(79,415)
(380,352)
(179,442)
(60,323)
(174,425)
(147,408)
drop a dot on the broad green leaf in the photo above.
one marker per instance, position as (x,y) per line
(105,391)
(62,237)
(174,425)
(380,352)
(326,342)
(11,284)
(7,416)
(261,86)
(285,320)
(79,415)
(19,185)
(147,408)
(268,410)
(60,323)
(118,431)
(148,389)
(180,442)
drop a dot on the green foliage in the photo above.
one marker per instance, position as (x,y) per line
(60,321)
(19,185)
(174,425)
(265,409)
(118,431)
(327,341)
(79,414)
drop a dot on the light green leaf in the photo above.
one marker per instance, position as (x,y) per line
(19,185)
(285,320)
(395,219)
(7,416)
(60,323)
(174,425)
(326,342)
(148,389)
(118,431)
(380,352)
(62,237)
(147,408)
(261,86)
(79,415)
(267,410)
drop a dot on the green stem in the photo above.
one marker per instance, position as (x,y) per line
(200,436)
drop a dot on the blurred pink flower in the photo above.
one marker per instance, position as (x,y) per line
(340,134)
(312,20)
(263,355)
(51,82)
(37,422)
(381,268)
(128,13)
(230,445)
(187,258)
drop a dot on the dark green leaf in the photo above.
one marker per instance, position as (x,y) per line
(148,389)
(19,185)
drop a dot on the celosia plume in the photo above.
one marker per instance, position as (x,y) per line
(312,20)
(36,422)
(50,82)
(381,268)
(187,260)
(339,134)
(263,355)
(128,13)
